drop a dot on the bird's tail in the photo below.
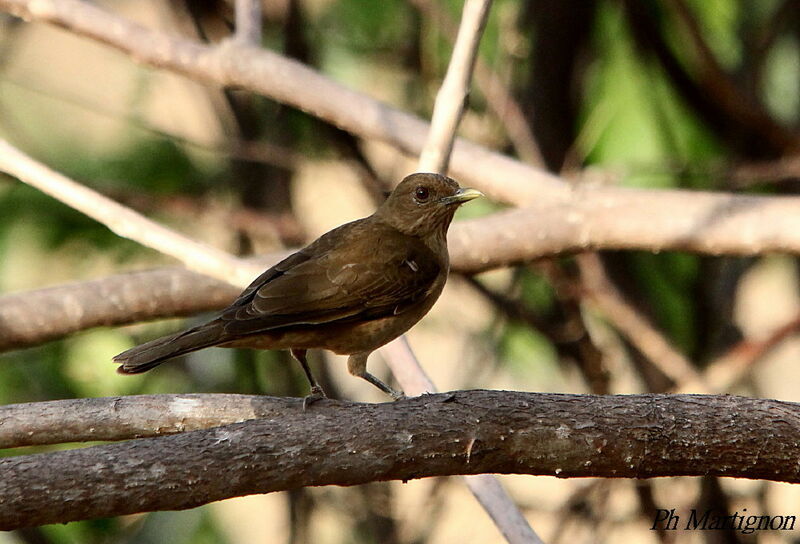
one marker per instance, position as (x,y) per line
(146,356)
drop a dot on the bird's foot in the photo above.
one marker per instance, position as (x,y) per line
(397,395)
(316,394)
(362,373)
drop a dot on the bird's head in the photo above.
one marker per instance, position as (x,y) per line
(423,204)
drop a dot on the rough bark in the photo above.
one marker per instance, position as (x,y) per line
(469,432)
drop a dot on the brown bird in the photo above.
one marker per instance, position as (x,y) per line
(351,291)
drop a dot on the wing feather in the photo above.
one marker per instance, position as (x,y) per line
(327,282)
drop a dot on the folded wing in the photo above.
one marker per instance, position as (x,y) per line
(326,284)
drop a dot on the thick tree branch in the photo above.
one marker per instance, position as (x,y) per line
(469,432)
(614,218)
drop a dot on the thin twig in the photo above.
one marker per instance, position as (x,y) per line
(435,157)
(634,326)
(726,371)
(257,151)
(453,93)
(124,221)
(248,22)
(743,176)
(509,113)
(498,97)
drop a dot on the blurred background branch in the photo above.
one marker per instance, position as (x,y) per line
(248,22)
(124,221)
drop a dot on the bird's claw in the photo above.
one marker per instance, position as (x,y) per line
(316,394)
(398,395)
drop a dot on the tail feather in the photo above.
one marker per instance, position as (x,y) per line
(148,355)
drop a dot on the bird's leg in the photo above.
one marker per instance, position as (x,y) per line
(316,390)
(357,366)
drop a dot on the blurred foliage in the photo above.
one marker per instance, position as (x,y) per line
(666,282)
(157,166)
(528,353)
(633,116)
(353,26)
(647,124)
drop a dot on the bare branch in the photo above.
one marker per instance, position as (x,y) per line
(453,93)
(498,98)
(405,367)
(466,432)
(616,218)
(34,317)
(248,22)
(509,112)
(123,418)
(746,175)
(435,157)
(725,372)
(124,221)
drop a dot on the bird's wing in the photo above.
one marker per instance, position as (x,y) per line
(336,279)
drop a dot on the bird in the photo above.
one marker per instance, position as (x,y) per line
(352,290)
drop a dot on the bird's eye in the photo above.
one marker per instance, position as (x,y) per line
(421,193)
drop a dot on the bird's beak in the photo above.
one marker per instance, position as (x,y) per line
(461,196)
